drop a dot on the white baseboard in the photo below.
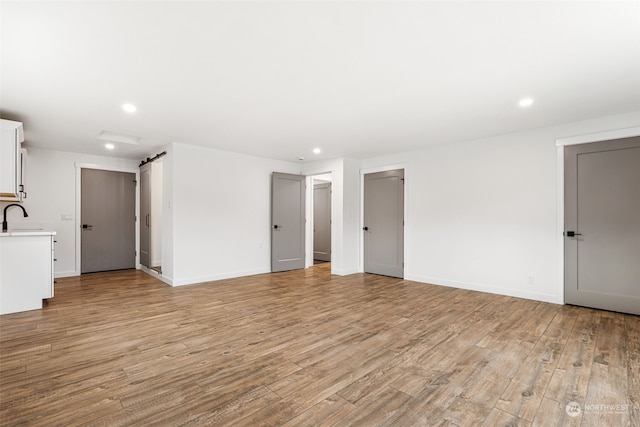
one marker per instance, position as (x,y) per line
(214,277)
(154,273)
(71,273)
(345,272)
(487,288)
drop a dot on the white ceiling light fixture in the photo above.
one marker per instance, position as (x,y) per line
(525,102)
(129,108)
(118,137)
(317,150)
(109,146)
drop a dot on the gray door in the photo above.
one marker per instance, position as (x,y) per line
(108,220)
(145,215)
(384,223)
(322,221)
(602,225)
(287,221)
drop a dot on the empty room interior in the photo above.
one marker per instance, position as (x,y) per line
(320,213)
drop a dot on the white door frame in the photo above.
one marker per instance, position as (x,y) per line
(309,216)
(79,167)
(560,144)
(363,172)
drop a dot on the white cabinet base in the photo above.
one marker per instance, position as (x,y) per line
(26,274)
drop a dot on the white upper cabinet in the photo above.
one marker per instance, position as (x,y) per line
(11,161)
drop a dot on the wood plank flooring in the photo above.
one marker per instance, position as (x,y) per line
(305,348)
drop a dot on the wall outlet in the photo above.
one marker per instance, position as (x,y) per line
(531,280)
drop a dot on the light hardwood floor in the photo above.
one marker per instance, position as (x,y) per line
(305,348)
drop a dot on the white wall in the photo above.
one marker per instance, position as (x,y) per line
(482,214)
(50,183)
(344,213)
(221,205)
(167,215)
(322,178)
(352,227)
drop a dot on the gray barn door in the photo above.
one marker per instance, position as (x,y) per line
(287,221)
(384,223)
(322,221)
(108,201)
(602,225)
(145,215)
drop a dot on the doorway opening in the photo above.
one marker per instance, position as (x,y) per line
(383,222)
(108,218)
(151,174)
(602,228)
(321,194)
(288,220)
(293,245)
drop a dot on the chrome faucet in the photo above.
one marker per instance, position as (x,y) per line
(4,219)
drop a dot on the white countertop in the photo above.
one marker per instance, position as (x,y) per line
(27,232)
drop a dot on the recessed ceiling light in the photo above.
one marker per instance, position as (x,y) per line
(129,108)
(108,136)
(317,150)
(109,146)
(525,102)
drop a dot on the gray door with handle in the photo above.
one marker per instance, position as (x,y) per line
(287,221)
(108,208)
(322,221)
(602,225)
(145,215)
(384,223)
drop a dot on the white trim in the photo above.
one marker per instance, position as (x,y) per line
(61,274)
(560,222)
(560,144)
(77,222)
(384,168)
(309,218)
(214,277)
(106,167)
(364,172)
(154,273)
(478,287)
(600,136)
(345,272)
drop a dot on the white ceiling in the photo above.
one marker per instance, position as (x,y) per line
(276,79)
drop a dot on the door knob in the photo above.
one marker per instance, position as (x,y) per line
(365,228)
(572,234)
(87,226)
(276,227)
